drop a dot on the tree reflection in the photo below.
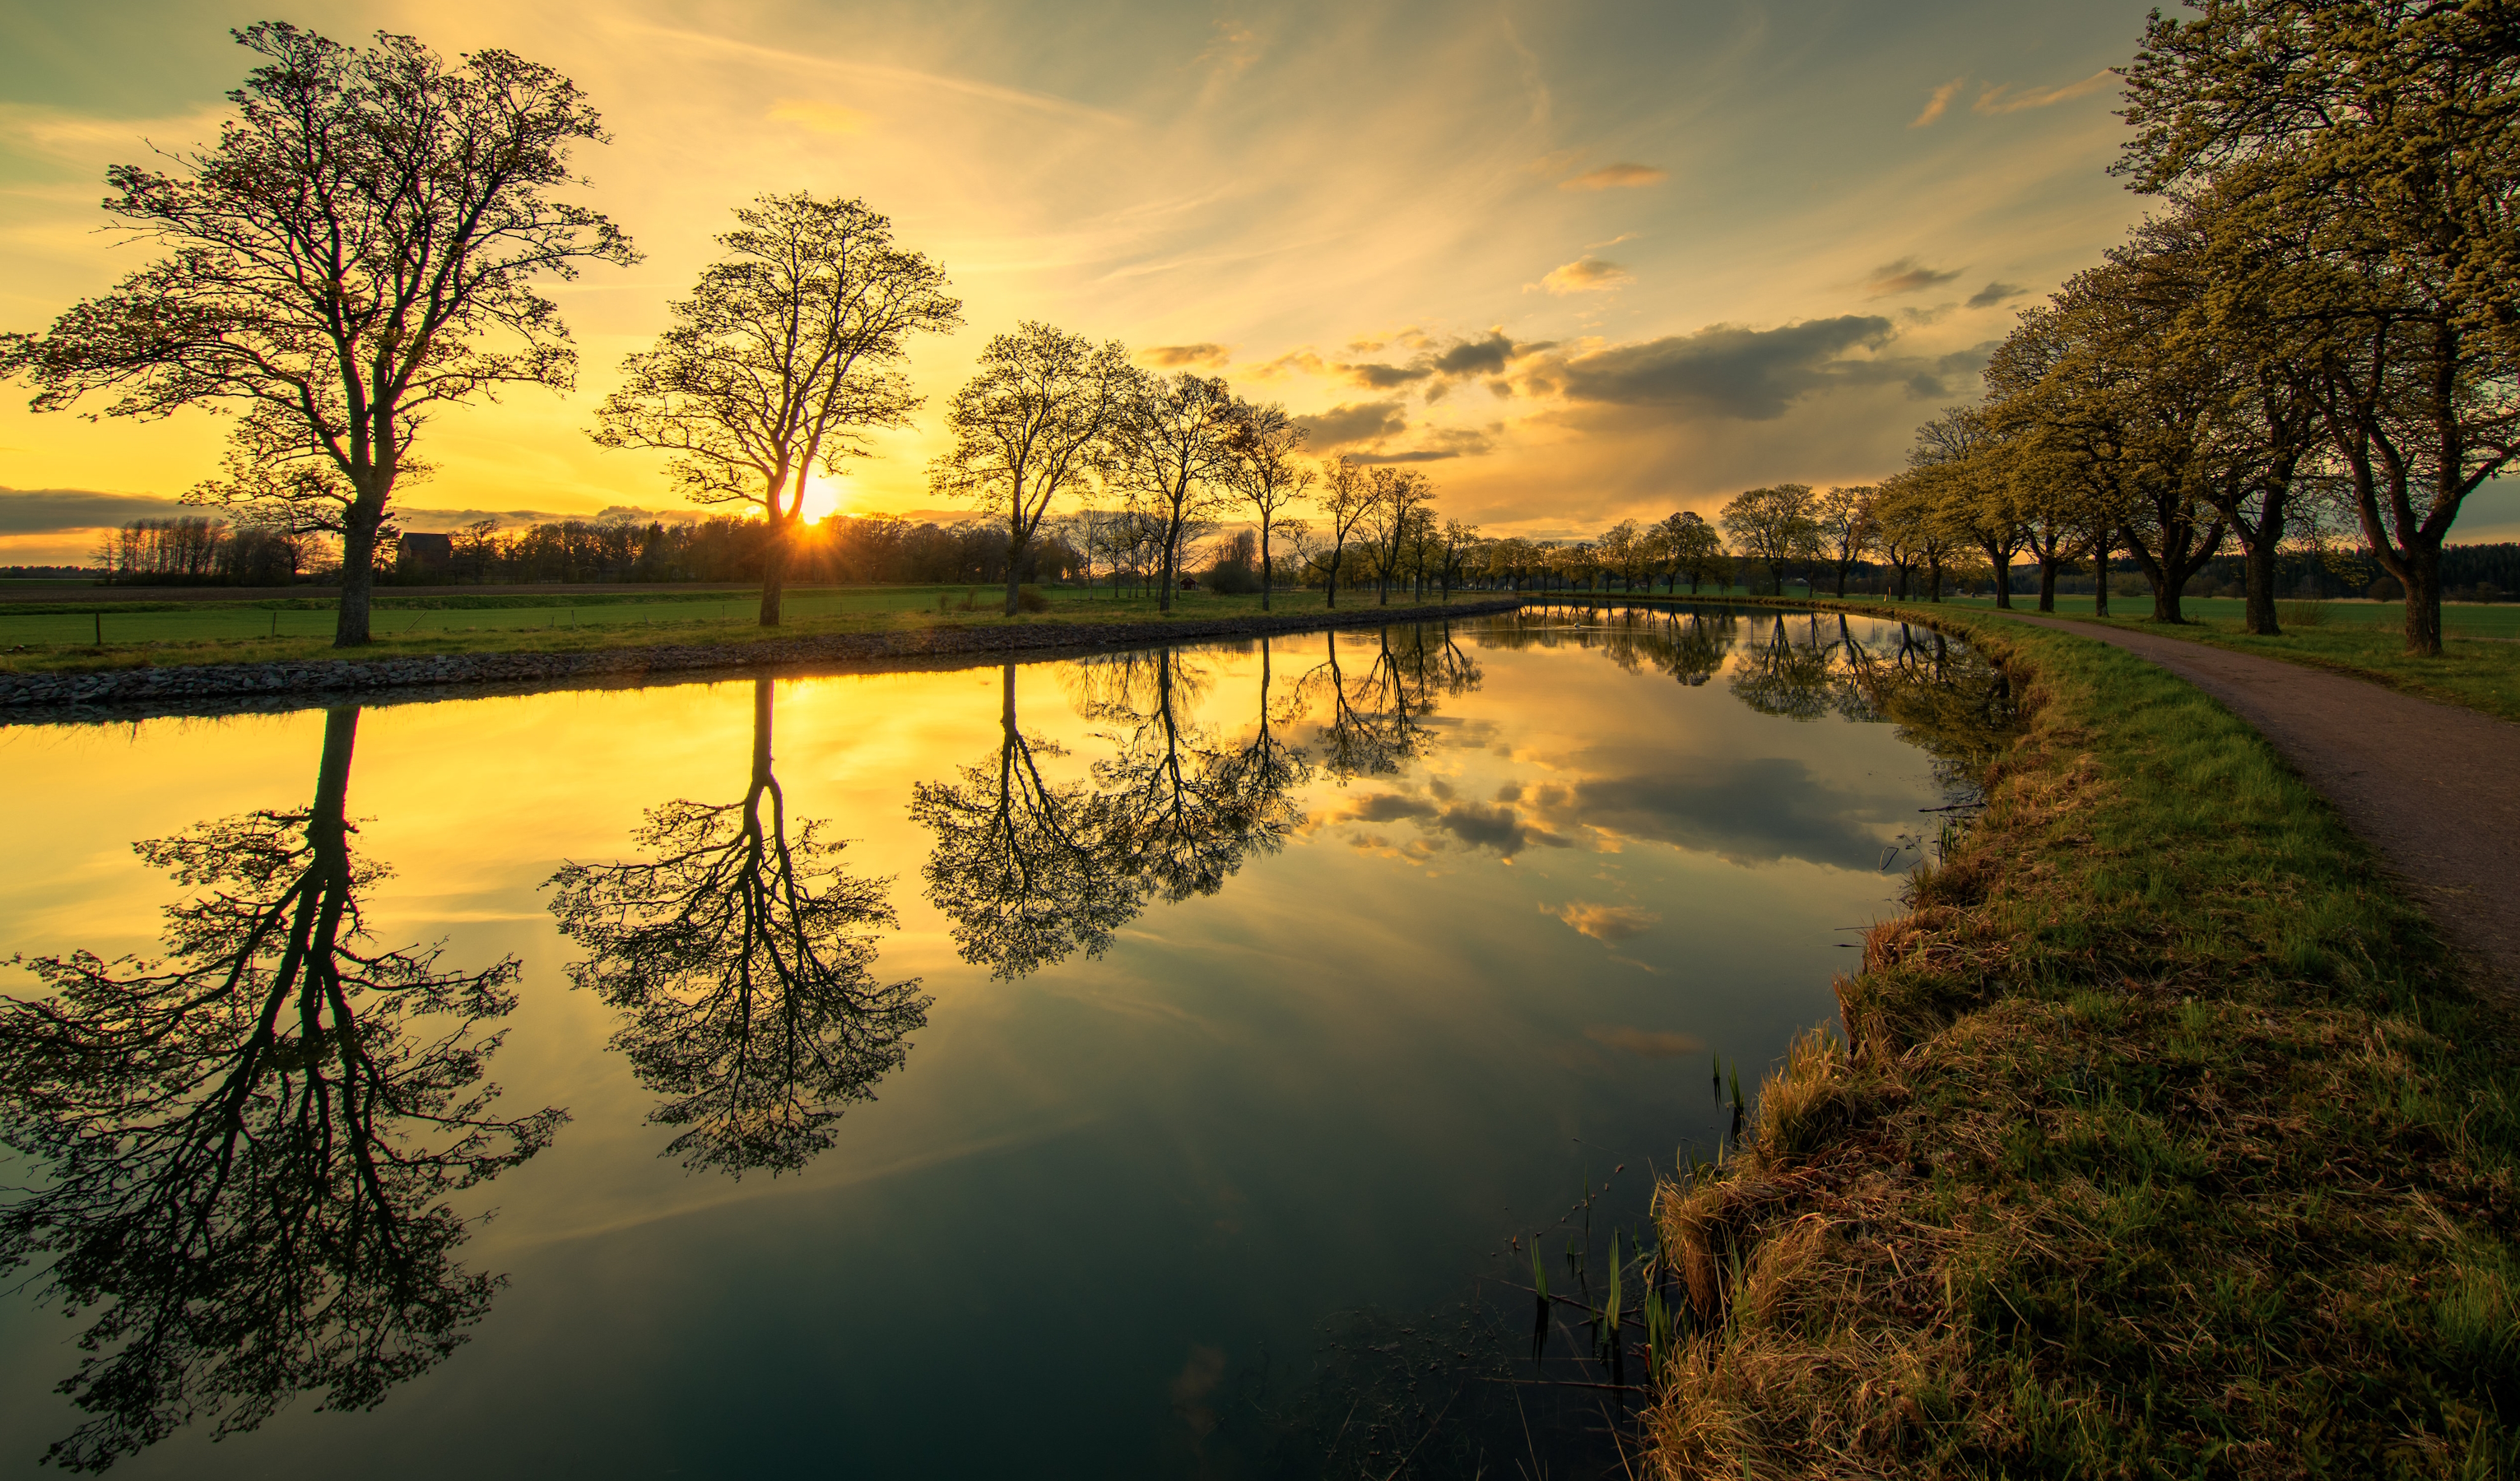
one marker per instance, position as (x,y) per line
(1027,871)
(244,1149)
(740,957)
(1031,871)
(1779,676)
(1377,717)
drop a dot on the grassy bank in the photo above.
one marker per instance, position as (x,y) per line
(2170,1143)
(295,629)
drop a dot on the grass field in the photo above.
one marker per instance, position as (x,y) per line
(2172,1144)
(58,638)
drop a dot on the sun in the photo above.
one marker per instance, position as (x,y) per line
(824,498)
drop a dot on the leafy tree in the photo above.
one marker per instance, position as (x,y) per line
(738,956)
(247,1148)
(788,350)
(1847,527)
(1697,549)
(1961,468)
(1035,422)
(358,250)
(1775,525)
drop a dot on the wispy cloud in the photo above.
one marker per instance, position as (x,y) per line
(1606,922)
(1904,276)
(819,118)
(1206,354)
(965,87)
(1940,100)
(1585,275)
(1995,293)
(1348,423)
(1994,99)
(1611,177)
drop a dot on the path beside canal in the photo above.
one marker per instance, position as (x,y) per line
(2434,787)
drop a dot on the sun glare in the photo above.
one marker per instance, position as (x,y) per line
(822,498)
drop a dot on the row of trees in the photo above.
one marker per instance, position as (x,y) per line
(2319,328)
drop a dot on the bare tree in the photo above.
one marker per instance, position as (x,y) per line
(1847,527)
(1171,449)
(1396,507)
(787,351)
(358,250)
(1347,500)
(1267,474)
(1033,422)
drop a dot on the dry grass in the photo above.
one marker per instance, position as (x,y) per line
(2167,1142)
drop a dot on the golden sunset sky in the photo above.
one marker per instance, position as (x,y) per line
(1584,260)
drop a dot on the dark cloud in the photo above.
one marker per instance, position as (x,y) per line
(1904,276)
(1359,422)
(1486,355)
(1390,807)
(1172,356)
(1757,810)
(1439,444)
(1415,455)
(1480,357)
(1728,371)
(1501,829)
(47,511)
(1995,293)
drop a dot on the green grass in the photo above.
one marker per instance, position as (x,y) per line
(2172,1144)
(56,638)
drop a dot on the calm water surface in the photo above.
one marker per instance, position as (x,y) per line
(999,1067)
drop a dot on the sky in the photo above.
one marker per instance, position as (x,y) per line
(1577,261)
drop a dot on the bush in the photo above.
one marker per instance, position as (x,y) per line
(1030,600)
(1232,578)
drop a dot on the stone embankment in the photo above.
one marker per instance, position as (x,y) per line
(189,685)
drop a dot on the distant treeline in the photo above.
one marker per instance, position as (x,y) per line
(843,550)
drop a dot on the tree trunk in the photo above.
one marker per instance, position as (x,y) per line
(774,575)
(2420,575)
(1841,579)
(2047,583)
(2003,564)
(2258,571)
(1934,568)
(358,578)
(2100,580)
(1266,581)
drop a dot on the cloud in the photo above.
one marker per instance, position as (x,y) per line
(1995,293)
(1652,1044)
(1487,355)
(1606,922)
(1171,357)
(1904,276)
(1939,101)
(1300,362)
(1231,50)
(1585,275)
(1615,177)
(819,118)
(1439,444)
(1725,370)
(48,510)
(1993,99)
(1382,377)
(1498,828)
(1357,421)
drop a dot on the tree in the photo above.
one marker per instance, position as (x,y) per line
(1847,527)
(2382,137)
(1266,472)
(1347,498)
(788,350)
(1697,550)
(1959,466)
(1395,514)
(1171,449)
(358,250)
(1455,545)
(1033,422)
(1912,533)
(250,1148)
(1775,525)
(739,957)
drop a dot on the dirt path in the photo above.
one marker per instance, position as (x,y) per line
(2435,788)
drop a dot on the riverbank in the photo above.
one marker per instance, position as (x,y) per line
(2170,1139)
(575,657)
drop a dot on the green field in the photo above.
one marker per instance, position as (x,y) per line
(677,615)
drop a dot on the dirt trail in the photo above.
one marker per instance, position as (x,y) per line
(2434,788)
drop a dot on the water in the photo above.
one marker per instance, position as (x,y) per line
(1181,1029)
